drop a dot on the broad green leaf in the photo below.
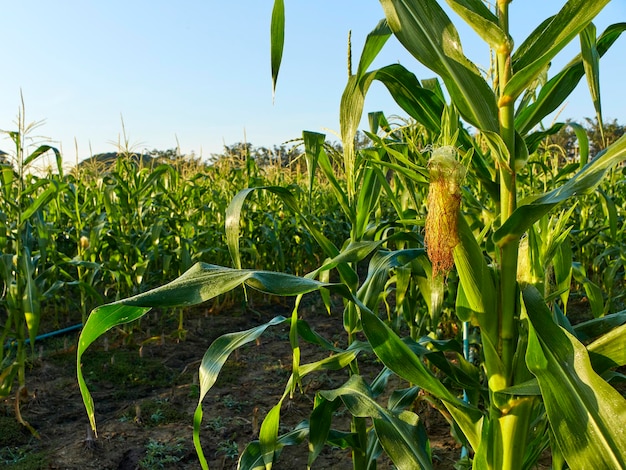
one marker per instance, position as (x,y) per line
(252,456)
(319,426)
(558,88)
(30,296)
(397,356)
(591,64)
(277,38)
(419,102)
(404,439)
(547,41)
(202,282)
(214,359)
(427,33)
(374,42)
(582,408)
(482,21)
(583,182)
(99,322)
(398,432)
(592,329)
(609,350)
(268,435)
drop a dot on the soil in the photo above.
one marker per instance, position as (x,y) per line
(145,389)
(144,383)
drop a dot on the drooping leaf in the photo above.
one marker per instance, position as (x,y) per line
(399,433)
(397,356)
(574,395)
(584,182)
(202,282)
(99,322)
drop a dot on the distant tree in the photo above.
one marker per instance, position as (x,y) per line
(566,138)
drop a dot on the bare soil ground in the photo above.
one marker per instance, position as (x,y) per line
(144,385)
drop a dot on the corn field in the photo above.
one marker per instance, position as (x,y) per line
(457,241)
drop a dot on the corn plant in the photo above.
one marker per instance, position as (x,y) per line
(540,382)
(25,242)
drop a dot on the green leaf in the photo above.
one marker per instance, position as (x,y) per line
(378,273)
(592,329)
(582,408)
(42,200)
(31,305)
(420,103)
(319,426)
(591,64)
(277,39)
(609,350)
(202,282)
(427,33)
(252,456)
(476,288)
(593,291)
(559,87)
(482,21)
(268,435)
(584,182)
(214,359)
(99,322)
(547,41)
(398,433)
(374,42)
(38,153)
(397,356)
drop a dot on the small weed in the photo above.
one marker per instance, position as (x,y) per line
(158,454)
(22,458)
(231,403)
(194,391)
(216,424)
(157,417)
(228,448)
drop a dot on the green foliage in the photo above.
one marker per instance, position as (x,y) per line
(531,378)
(158,454)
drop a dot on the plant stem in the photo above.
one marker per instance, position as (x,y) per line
(508,201)
(512,424)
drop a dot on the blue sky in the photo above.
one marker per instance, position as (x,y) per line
(198,72)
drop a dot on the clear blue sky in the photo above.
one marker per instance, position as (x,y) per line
(198,71)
